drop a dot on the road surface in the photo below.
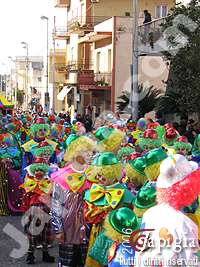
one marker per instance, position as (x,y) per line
(13,244)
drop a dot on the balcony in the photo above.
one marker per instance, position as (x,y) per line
(61,33)
(103,79)
(80,65)
(94,81)
(62,3)
(60,67)
(85,23)
(151,38)
(86,77)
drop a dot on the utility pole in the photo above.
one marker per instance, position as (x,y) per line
(25,46)
(134,67)
(53,66)
(1,83)
(47,85)
(47,65)
(27,78)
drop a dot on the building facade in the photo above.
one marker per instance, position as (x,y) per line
(28,80)
(57,75)
(99,51)
(4,82)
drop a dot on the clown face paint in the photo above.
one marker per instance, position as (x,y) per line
(41,134)
(46,156)
(182,151)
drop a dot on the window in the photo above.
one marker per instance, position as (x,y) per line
(82,9)
(72,55)
(161,11)
(82,13)
(91,56)
(127,14)
(98,62)
(109,60)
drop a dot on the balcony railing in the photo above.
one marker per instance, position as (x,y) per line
(85,23)
(151,36)
(86,77)
(103,79)
(60,33)
(74,66)
(61,67)
(88,80)
(80,65)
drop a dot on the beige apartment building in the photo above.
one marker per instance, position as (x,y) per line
(59,73)
(99,51)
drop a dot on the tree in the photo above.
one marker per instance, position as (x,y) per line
(20,97)
(148,98)
(168,103)
(183,85)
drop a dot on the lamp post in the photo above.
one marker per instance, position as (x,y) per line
(25,46)
(47,64)
(53,67)
(134,66)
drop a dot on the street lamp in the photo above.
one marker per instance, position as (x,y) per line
(134,66)
(53,67)
(47,65)
(25,46)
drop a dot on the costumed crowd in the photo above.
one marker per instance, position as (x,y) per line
(120,195)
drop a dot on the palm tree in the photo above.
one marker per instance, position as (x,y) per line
(169,103)
(148,98)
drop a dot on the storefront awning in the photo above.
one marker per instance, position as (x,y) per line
(4,103)
(66,89)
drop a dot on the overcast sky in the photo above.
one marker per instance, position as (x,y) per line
(20,21)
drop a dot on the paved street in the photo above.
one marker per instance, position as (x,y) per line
(12,251)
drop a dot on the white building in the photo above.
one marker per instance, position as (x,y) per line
(25,79)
